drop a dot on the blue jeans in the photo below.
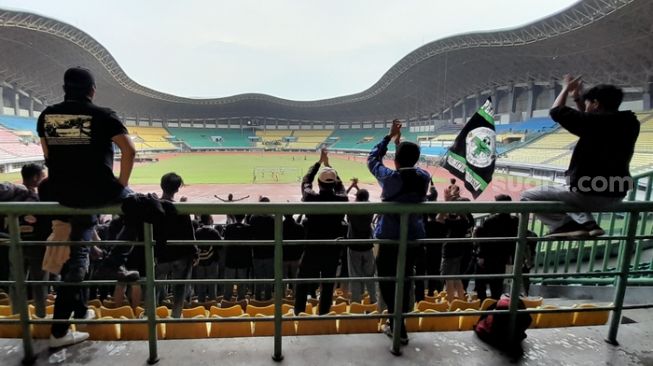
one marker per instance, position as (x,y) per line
(72,299)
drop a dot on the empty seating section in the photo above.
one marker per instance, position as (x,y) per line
(555,148)
(272,138)
(530,126)
(203,138)
(308,139)
(550,149)
(19,123)
(357,139)
(150,138)
(343,324)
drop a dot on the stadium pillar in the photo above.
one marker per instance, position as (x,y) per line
(451,107)
(478,102)
(16,102)
(511,99)
(464,110)
(646,97)
(552,92)
(495,99)
(531,100)
(31,106)
(2,100)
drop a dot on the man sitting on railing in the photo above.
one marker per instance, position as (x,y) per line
(77,138)
(321,259)
(598,174)
(407,184)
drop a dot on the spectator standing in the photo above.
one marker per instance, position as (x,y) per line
(406,184)
(320,259)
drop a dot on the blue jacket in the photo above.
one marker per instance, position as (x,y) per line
(393,189)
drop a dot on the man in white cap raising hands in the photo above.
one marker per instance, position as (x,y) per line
(321,259)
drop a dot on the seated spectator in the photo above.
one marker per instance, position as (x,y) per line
(238,258)
(174,262)
(209,256)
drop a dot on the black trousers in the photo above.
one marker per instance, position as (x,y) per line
(316,264)
(73,299)
(496,285)
(427,262)
(386,265)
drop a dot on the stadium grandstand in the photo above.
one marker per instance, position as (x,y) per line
(517,68)
(434,92)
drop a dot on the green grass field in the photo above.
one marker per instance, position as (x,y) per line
(231,168)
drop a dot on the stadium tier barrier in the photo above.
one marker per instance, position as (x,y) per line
(522,209)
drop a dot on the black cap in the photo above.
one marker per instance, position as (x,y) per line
(78,78)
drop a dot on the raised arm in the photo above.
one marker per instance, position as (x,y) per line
(375,158)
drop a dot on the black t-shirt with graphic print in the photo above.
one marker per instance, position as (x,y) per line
(80,152)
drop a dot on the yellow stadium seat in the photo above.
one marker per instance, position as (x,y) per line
(339,308)
(196,311)
(532,302)
(466,322)
(309,308)
(428,298)
(125,311)
(267,328)
(463,305)
(356,308)
(263,310)
(231,329)
(553,320)
(95,303)
(5,310)
(437,306)
(348,326)
(10,330)
(487,303)
(101,332)
(413,324)
(440,323)
(235,310)
(586,318)
(188,330)
(341,300)
(140,331)
(314,327)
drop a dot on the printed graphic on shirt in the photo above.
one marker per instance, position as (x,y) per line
(67,129)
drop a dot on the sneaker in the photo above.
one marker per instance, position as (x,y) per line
(403,338)
(69,339)
(120,274)
(90,314)
(570,229)
(593,229)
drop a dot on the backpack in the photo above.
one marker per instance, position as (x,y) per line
(493,328)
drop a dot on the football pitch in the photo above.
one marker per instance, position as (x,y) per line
(246,168)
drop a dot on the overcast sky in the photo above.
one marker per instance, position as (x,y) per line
(302,50)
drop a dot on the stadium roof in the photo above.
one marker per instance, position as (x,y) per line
(607,41)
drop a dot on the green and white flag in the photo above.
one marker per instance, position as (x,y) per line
(472,156)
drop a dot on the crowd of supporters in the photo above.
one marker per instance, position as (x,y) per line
(78,140)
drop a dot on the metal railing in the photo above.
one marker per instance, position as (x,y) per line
(278,210)
(569,257)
